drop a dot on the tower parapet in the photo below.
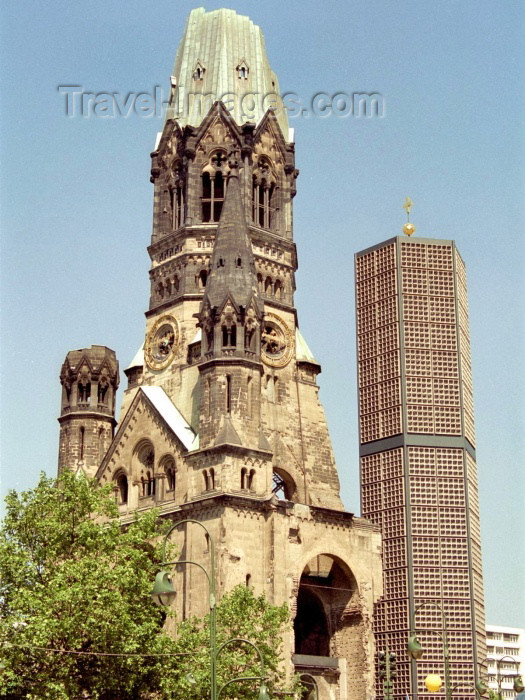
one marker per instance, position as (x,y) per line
(89,378)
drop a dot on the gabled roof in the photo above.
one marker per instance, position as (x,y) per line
(217,111)
(156,398)
(271,122)
(172,416)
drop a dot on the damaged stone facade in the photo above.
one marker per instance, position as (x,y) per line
(221,421)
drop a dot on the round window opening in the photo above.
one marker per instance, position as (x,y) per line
(276,341)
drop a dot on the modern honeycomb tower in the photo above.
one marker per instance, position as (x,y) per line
(221,421)
(417,453)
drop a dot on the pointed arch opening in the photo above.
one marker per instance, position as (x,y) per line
(82,433)
(121,482)
(209,479)
(213,187)
(264,185)
(329,613)
(176,195)
(167,468)
(144,461)
(229,336)
(283,485)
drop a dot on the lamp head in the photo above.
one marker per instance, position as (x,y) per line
(414,648)
(191,679)
(263,692)
(518,685)
(163,591)
(481,688)
(433,682)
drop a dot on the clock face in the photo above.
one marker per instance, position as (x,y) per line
(162,343)
(276,341)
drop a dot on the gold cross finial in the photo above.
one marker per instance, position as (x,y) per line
(408,228)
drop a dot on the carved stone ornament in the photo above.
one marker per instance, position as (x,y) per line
(162,343)
(276,341)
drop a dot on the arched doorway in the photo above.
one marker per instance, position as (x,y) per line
(329,616)
(330,632)
(310,625)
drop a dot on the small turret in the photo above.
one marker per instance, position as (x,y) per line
(89,379)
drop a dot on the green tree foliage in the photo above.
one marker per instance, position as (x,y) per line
(240,614)
(72,579)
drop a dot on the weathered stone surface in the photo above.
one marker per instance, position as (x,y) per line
(223,350)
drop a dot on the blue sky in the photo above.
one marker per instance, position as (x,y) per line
(76,206)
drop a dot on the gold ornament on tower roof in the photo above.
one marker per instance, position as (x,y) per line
(408,228)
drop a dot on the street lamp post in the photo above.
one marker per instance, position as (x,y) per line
(416,651)
(263,691)
(517,683)
(308,679)
(163,593)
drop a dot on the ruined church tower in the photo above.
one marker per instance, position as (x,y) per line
(221,420)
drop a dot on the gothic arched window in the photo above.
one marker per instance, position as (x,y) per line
(82,436)
(263,205)
(145,460)
(209,479)
(177,205)
(247,479)
(213,188)
(148,484)
(122,488)
(169,470)
(229,336)
(283,485)
(84,389)
(198,71)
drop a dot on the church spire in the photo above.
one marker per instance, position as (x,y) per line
(232,267)
(231,301)
(222,56)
